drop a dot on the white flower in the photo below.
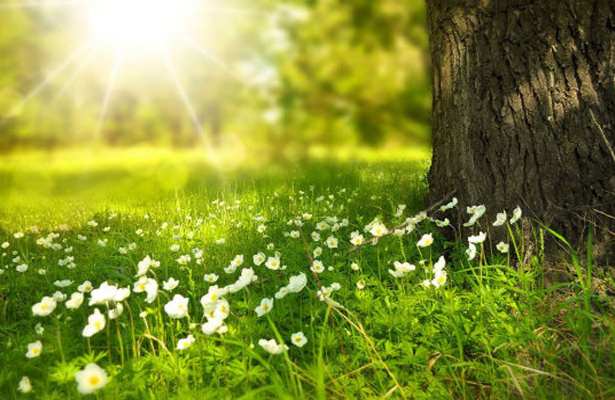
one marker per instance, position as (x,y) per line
(273,263)
(221,310)
(281,293)
(232,267)
(45,307)
(439,265)
(85,287)
(5,245)
(174,248)
(145,264)
(264,307)
(449,205)
(90,379)
(115,313)
(516,215)
(378,229)
(96,323)
(247,277)
(103,294)
(502,247)
(151,290)
(401,269)
(211,326)
(317,252)
(322,226)
(315,236)
(259,258)
(63,283)
(184,259)
(361,284)
(25,386)
(439,279)
(170,284)
(75,301)
(317,267)
(147,285)
(425,241)
(471,251)
(21,268)
(324,293)
(476,212)
(178,307)
(272,347)
(500,219)
(39,329)
(298,339)
(209,300)
(216,315)
(34,349)
(295,234)
(211,278)
(139,285)
(183,344)
(236,262)
(295,285)
(18,235)
(220,241)
(477,239)
(356,239)
(331,242)
(426,283)
(59,296)
(400,210)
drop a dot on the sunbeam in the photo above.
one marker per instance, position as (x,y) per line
(84,63)
(117,63)
(139,30)
(170,66)
(76,54)
(212,58)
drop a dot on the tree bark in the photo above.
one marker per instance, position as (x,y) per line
(524,109)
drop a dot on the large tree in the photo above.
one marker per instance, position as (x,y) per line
(524,108)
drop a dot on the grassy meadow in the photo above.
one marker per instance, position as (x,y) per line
(384,302)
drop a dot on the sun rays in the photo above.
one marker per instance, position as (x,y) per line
(126,28)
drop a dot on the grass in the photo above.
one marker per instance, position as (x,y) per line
(497,328)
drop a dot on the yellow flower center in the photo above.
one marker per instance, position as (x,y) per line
(94,380)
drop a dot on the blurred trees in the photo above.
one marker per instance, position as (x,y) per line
(330,72)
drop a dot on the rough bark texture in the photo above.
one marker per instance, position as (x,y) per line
(524,108)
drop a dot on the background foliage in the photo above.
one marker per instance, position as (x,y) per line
(325,72)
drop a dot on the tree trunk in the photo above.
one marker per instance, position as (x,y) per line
(524,108)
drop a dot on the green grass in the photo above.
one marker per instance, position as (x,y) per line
(497,329)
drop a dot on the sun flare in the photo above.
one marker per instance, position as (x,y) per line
(139,24)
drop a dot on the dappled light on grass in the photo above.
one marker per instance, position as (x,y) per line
(320,279)
(49,186)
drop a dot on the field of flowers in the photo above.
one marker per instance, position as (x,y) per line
(161,275)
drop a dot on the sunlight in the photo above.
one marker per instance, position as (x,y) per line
(145,25)
(109,92)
